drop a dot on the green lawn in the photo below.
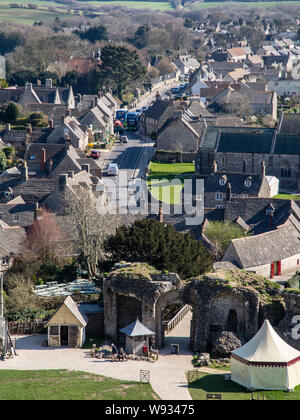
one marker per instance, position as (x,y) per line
(287,196)
(152,5)
(165,180)
(263,4)
(216,384)
(28,16)
(68,385)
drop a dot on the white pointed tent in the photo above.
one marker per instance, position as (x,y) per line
(266,362)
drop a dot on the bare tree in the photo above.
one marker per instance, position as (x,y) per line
(90,228)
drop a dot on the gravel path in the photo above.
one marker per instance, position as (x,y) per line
(167,375)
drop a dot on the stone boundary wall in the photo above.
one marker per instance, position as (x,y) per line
(179,157)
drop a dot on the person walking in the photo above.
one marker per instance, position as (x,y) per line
(114,352)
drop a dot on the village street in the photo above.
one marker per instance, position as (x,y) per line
(167,375)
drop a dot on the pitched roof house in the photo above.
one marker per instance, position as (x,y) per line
(178,136)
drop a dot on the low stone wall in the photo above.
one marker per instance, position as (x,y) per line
(176,157)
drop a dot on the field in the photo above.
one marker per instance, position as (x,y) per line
(216,384)
(265,4)
(162,173)
(68,385)
(152,5)
(29,16)
(42,13)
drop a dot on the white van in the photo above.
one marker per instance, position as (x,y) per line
(113,169)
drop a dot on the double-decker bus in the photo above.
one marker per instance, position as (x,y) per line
(132,121)
(121,115)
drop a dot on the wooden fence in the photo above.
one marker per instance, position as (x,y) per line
(26,327)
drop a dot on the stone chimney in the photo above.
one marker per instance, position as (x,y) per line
(263,169)
(43,160)
(214,167)
(51,124)
(228,192)
(50,167)
(38,82)
(24,172)
(62,181)
(86,167)
(29,128)
(160,214)
(37,211)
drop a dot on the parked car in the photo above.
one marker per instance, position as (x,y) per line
(144,108)
(113,169)
(175,90)
(95,154)
(124,139)
(182,85)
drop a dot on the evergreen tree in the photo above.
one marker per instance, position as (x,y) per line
(3,161)
(120,68)
(159,245)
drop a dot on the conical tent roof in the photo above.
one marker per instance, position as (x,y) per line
(267,346)
(136,329)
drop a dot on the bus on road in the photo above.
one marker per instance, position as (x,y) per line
(121,115)
(132,121)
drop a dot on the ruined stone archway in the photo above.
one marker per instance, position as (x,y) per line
(170,298)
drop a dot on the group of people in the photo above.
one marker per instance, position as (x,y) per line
(118,354)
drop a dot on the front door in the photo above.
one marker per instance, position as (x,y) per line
(64,335)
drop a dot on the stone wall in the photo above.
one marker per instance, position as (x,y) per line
(216,305)
(164,156)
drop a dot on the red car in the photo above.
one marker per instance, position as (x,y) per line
(95,154)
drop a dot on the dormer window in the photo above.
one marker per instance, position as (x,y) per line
(248,182)
(223,180)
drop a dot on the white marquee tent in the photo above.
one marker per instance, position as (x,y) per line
(266,362)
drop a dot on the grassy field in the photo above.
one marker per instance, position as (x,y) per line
(29,16)
(216,384)
(265,4)
(287,196)
(152,5)
(68,385)
(162,173)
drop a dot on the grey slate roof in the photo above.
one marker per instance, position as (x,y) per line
(156,110)
(267,247)
(136,329)
(11,239)
(289,124)
(246,141)
(237,182)
(287,144)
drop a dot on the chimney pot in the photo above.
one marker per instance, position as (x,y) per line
(263,169)
(24,172)
(43,160)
